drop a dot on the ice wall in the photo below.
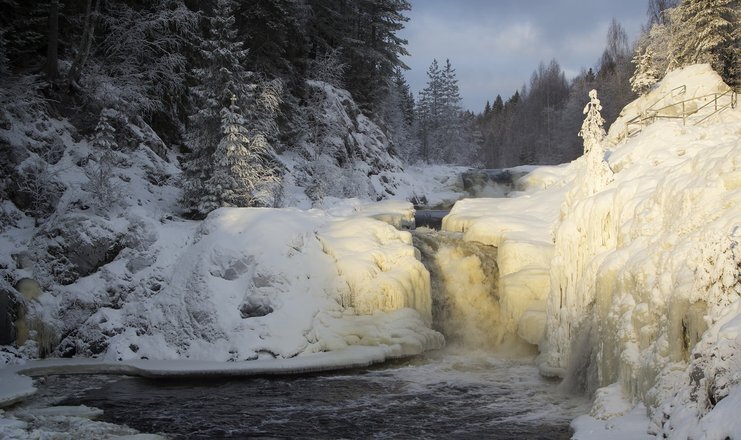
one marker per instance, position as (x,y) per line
(645,276)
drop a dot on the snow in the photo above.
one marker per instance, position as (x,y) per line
(627,279)
(521,228)
(251,283)
(270,291)
(643,288)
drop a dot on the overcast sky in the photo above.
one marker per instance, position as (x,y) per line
(495,45)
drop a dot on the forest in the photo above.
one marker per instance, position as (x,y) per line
(226,87)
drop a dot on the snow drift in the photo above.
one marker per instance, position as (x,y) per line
(272,283)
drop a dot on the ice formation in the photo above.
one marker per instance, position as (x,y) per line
(520,228)
(464,277)
(260,283)
(644,286)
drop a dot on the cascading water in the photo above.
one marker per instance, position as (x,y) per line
(463,278)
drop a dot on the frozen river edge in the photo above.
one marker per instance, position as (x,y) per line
(18,383)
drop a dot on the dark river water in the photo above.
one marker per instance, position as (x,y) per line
(447,395)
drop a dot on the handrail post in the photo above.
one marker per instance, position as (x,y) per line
(684,115)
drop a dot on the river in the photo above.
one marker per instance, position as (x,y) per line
(447,394)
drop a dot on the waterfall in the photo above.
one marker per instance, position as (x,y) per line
(464,277)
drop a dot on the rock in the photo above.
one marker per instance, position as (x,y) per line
(10,309)
(139,262)
(255,306)
(79,246)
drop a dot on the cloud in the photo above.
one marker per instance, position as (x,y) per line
(496,44)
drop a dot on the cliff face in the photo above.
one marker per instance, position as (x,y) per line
(645,281)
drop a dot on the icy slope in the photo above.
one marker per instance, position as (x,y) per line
(645,276)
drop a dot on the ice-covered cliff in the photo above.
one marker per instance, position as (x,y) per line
(644,286)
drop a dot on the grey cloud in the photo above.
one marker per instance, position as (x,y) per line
(495,45)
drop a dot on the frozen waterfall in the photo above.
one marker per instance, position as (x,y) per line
(464,278)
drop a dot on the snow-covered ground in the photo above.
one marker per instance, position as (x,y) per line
(635,275)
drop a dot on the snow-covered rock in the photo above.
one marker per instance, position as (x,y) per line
(343,154)
(254,283)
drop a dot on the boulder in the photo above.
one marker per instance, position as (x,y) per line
(11,307)
(77,246)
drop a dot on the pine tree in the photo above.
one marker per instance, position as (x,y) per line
(242,175)
(398,115)
(274,32)
(707,31)
(143,53)
(100,173)
(366,31)
(645,75)
(428,113)
(221,76)
(444,134)
(105,134)
(498,105)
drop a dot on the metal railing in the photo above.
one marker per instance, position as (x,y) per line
(732,103)
(681,109)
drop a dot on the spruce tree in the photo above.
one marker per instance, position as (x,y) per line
(100,173)
(707,31)
(222,76)
(444,134)
(645,75)
(105,134)
(242,173)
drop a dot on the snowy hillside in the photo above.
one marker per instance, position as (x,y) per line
(343,154)
(103,264)
(644,284)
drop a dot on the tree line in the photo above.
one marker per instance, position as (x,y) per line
(224,82)
(538,124)
(199,72)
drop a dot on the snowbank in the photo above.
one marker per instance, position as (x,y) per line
(274,283)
